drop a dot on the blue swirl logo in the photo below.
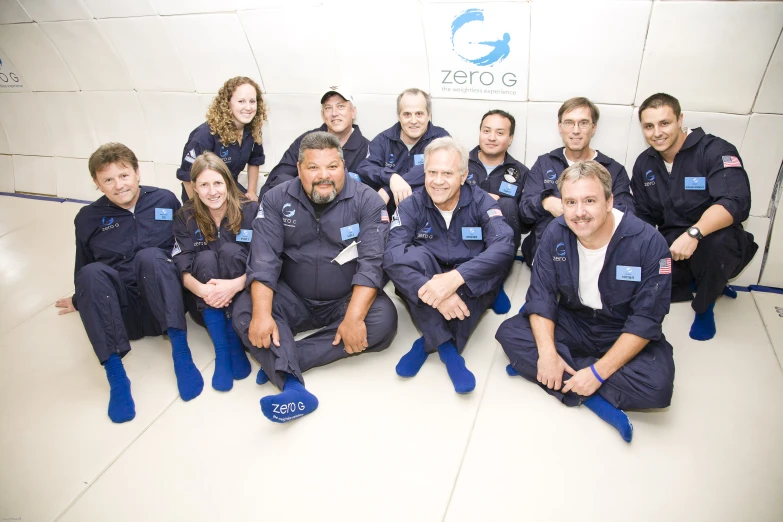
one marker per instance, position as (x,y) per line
(223,151)
(107,221)
(427,228)
(290,212)
(551,174)
(560,250)
(649,176)
(476,52)
(198,235)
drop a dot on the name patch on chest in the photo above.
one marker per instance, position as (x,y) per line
(244,236)
(164,214)
(471,233)
(418,159)
(349,232)
(628,273)
(695,183)
(508,189)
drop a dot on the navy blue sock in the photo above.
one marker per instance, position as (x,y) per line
(703,327)
(240,366)
(463,379)
(502,303)
(519,258)
(612,415)
(511,371)
(261,377)
(730,292)
(121,405)
(189,379)
(222,379)
(411,362)
(294,402)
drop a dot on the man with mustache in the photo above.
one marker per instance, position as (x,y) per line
(590,331)
(397,149)
(540,204)
(316,261)
(693,187)
(338,113)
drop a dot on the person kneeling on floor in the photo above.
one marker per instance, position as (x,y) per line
(601,342)
(126,284)
(449,251)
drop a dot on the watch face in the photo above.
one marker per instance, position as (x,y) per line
(693,232)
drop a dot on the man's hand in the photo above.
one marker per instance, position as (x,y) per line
(261,330)
(353,335)
(550,370)
(453,307)
(66,303)
(683,247)
(399,187)
(223,292)
(384,195)
(440,287)
(495,197)
(553,205)
(582,383)
(252,196)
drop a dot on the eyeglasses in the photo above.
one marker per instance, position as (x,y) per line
(569,124)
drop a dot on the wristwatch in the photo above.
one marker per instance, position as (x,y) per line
(695,233)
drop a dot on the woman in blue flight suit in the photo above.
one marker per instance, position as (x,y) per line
(233,132)
(212,235)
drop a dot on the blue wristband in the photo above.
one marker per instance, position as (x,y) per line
(596,374)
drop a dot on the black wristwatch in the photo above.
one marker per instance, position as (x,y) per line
(695,233)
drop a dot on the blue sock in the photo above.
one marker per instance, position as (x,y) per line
(240,366)
(463,379)
(511,371)
(121,405)
(703,327)
(222,379)
(612,415)
(261,377)
(730,292)
(294,402)
(502,304)
(519,258)
(189,379)
(411,362)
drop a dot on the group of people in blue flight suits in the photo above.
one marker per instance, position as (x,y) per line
(340,216)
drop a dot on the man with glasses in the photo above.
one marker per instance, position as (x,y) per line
(540,204)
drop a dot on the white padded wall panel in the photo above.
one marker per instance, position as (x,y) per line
(610,57)
(118,116)
(214,48)
(376,113)
(170,118)
(119,8)
(147,174)
(387,55)
(70,127)
(36,58)
(56,10)
(5,146)
(24,122)
(611,135)
(298,70)
(289,116)
(166,177)
(90,56)
(35,174)
(174,7)
(12,12)
(769,98)
(6,173)
(461,118)
(152,61)
(759,227)
(710,55)
(762,152)
(772,274)
(74,180)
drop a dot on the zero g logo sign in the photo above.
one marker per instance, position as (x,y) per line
(649,178)
(8,78)
(496,50)
(108,223)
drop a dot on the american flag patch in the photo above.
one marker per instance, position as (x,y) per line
(494,212)
(665,266)
(731,161)
(384,216)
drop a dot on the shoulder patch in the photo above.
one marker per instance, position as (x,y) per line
(731,161)
(190,157)
(260,214)
(384,216)
(176,250)
(494,212)
(396,221)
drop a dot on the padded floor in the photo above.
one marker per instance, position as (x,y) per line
(379,448)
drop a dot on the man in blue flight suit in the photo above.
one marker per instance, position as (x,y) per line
(600,342)
(126,285)
(338,112)
(448,253)
(693,187)
(316,261)
(540,204)
(397,149)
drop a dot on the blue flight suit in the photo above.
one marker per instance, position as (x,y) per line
(235,156)
(389,155)
(355,151)
(706,171)
(478,244)
(293,252)
(223,258)
(635,287)
(126,285)
(541,183)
